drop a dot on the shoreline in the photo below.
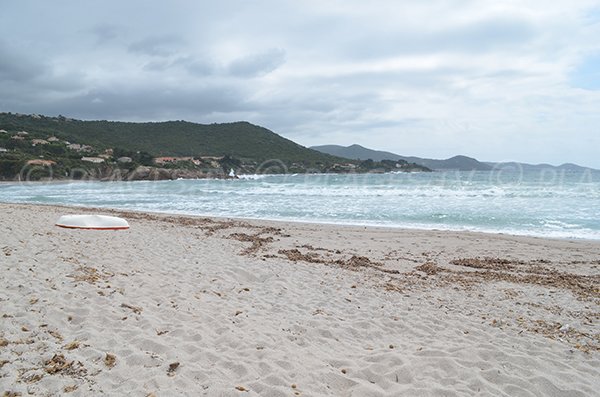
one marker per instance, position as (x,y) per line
(331,227)
(191,305)
(390,228)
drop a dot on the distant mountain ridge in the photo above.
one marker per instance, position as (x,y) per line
(357,152)
(458,163)
(543,166)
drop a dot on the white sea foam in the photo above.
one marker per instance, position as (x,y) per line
(569,207)
(252,176)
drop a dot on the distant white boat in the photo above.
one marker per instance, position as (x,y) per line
(96,222)
(232,173)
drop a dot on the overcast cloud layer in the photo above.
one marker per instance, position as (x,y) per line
(496,80)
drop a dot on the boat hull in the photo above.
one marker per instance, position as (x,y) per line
(92,222)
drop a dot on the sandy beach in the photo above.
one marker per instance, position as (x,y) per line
(181,305)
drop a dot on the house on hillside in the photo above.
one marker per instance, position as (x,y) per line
(45,163)
(209,158)
(96,160)
(165,160)
(22,133)
(3,132)
(3,150)
(345,166)
(171,160)
(80,148)
(107,154)
(17,137)
(213,161)
(52,139)
(124,160)
(35,142)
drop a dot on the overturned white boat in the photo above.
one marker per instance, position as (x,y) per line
(96,222)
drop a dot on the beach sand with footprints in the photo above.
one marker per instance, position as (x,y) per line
(180,305)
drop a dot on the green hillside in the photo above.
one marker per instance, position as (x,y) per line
(172,138)
(34,147)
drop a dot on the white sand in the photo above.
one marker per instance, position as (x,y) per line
(244,314)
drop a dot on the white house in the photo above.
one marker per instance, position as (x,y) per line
(93,159)
(80,148)
(35,142)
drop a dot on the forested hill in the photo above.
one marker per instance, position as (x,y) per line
(171,138)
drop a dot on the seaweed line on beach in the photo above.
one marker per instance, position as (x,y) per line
(515,272)
(520,272)
(355,262)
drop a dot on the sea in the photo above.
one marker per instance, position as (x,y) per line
(545,203)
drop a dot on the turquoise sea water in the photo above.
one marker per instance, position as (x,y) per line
(540,203)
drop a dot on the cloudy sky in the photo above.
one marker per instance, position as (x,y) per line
(497,80)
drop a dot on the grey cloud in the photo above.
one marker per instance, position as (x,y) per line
(251,66)
(26,78)
(157,65)
(106,32)
(257,64)
(149,103)
(195,67)
(484,35)
(201,68)
(17,66)
(156,45)
(438,79)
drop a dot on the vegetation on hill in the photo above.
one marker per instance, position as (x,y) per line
(93,149)
(171,138)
